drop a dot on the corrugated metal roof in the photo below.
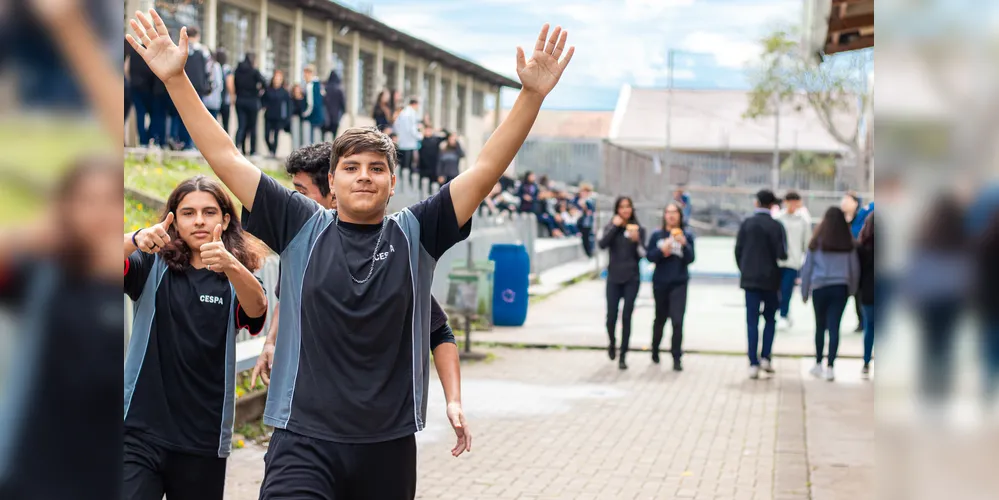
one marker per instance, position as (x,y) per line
(711,120)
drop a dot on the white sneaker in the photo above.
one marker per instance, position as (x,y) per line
(766,366)
(830,374)
(754,372)
(816,370)
(783,323)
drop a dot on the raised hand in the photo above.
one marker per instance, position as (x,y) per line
(214,255)
(542,71)
(155,238)
(457,418)
(164,58)
(617,221)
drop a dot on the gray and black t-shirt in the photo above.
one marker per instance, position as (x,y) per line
(352,360)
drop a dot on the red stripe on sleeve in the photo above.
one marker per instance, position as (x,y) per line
(126,267)
(239,326)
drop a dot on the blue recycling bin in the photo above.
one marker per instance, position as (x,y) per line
(511,279)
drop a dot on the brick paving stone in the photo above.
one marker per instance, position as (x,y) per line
(570,425)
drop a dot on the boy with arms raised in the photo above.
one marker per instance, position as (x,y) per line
(349,384)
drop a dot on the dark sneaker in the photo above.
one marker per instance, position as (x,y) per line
(677,365)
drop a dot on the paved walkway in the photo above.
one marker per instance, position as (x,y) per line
(568,424)
(715,321)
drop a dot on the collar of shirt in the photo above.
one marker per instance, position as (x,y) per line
(762,211)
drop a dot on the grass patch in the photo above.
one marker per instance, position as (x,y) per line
(159,180)
(138,216)
(253,431)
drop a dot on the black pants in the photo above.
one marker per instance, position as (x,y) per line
(615,292)
(406,158)
(150,471)
(247,116)
(938,320)
(303,468)
(273,130)
(587,234)
(225,116)
(671,303)
(829,303)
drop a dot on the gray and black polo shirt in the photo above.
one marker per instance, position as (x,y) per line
(180,368)
(352,362)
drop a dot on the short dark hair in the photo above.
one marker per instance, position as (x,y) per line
(414,100)
(313,160)
(766,198)
(833,233)
(792,196)
(363,140)
(193,31)
(222,56)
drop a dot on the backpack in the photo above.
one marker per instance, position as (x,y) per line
(197,70)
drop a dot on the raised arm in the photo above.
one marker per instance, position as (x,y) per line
(167,60)
(538,76)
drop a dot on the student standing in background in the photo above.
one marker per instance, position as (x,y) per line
(760,244)
(868,290)
(798,230)
(588,207)
(624,238)
(671,249)
(830,276)
(278,108)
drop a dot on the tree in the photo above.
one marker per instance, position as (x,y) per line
(837,86)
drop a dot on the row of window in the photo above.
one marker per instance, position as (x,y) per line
(237,33)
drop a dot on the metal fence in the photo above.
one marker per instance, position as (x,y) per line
(569,161)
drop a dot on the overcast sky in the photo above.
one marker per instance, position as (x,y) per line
(617,41)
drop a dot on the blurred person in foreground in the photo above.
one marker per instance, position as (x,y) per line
(829,276)
(759,246)
(798,228)
(936,284)
(987,272)
(58,276)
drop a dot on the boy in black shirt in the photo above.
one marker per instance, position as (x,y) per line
(350,377)
(309,167)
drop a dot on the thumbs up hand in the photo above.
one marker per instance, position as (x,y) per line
(155,238)
(214,255)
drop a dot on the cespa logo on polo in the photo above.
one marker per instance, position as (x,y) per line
(385,255)
(211,299)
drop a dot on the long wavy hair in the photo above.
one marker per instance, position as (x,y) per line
(617,205)
(248,251)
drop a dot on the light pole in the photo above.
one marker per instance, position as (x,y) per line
(775,169)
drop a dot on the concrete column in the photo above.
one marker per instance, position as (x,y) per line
(438,98)
(468,105)
(296,48)
(497,108)
(210,30)
(326,52)
(452,119)
(354,85)
(400,74)
(380,67)
(418,86)
(261,33)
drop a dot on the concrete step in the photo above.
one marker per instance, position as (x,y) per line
(554,252)
(557,277)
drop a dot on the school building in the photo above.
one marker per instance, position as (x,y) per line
(368,55)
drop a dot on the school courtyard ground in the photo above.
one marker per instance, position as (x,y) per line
(565,423)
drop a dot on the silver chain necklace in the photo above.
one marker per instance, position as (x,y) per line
(378,243)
